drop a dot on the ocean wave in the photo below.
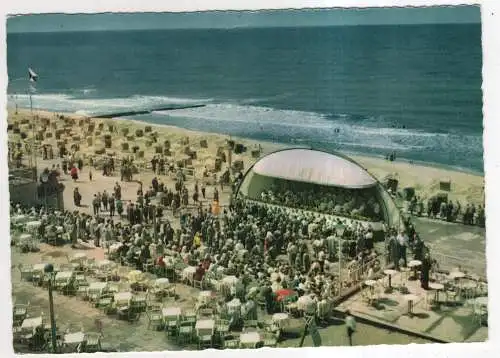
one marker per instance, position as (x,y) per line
(95,106)
(330,131)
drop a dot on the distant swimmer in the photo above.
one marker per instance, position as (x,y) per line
(337,130)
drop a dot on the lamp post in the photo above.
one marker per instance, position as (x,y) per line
(49,270)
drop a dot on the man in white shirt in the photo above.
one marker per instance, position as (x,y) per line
(403,244)
(350,323)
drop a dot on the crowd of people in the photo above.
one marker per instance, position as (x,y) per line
(359,204)
(440,207)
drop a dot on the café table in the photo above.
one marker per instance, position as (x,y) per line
(437,287)
(414,264)
(390,273)
(123,297)
(280,319)
(162,283)
(250,338)
(230,280)
(171,312)
(32,323)
(410,298)
(205,325)
(39,267)
(64,275)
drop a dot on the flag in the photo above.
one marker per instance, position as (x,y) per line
(32,75)
(32,89)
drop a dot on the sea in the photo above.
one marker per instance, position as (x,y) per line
(414,90)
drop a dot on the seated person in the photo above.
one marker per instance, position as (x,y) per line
(199,273)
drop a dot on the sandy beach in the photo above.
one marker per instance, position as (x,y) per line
(178,144)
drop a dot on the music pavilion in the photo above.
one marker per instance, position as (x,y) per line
(319,169)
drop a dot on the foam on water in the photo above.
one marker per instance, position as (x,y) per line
(95,106)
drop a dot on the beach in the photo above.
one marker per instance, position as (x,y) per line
(465,187)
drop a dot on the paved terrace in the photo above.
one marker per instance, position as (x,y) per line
(447,321)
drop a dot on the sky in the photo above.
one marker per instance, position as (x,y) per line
(236,19)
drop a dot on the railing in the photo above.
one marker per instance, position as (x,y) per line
(353,276)
(448,263)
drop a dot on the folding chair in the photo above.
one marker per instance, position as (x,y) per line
(155,319)
(92,342)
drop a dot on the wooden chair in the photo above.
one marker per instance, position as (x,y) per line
(92,342)
(250,324)
(136,308)
(205,341)
(205,312)
(198,284)
(185,332)
(231,344)
(148,266)
(155,319)
(105,303)
(270,340)
(171,325)
(26,272)
(20,312)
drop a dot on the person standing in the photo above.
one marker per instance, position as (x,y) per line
(203,190)
(111,202)
(403,244)
(425,272)
(350,323)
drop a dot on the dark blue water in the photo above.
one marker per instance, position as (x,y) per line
(368,89)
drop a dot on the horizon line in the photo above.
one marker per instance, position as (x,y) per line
(243,27)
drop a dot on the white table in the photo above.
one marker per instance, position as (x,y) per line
(436,287)
(162,283)
(25,237)
(104,263)
(481,301)
(31,225)
(135,276)
(303,302)
(188,273)
(123,297)
(78,257)
(64,275)
(39,267)
(205,296)
(281,319)
(390,274)
(98,286)
(414,264)
(250,338)
(18,219)
(456,275)
(205,324)
(32,323)
(74,338)
(169,312)
(230,280)
(410,298)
